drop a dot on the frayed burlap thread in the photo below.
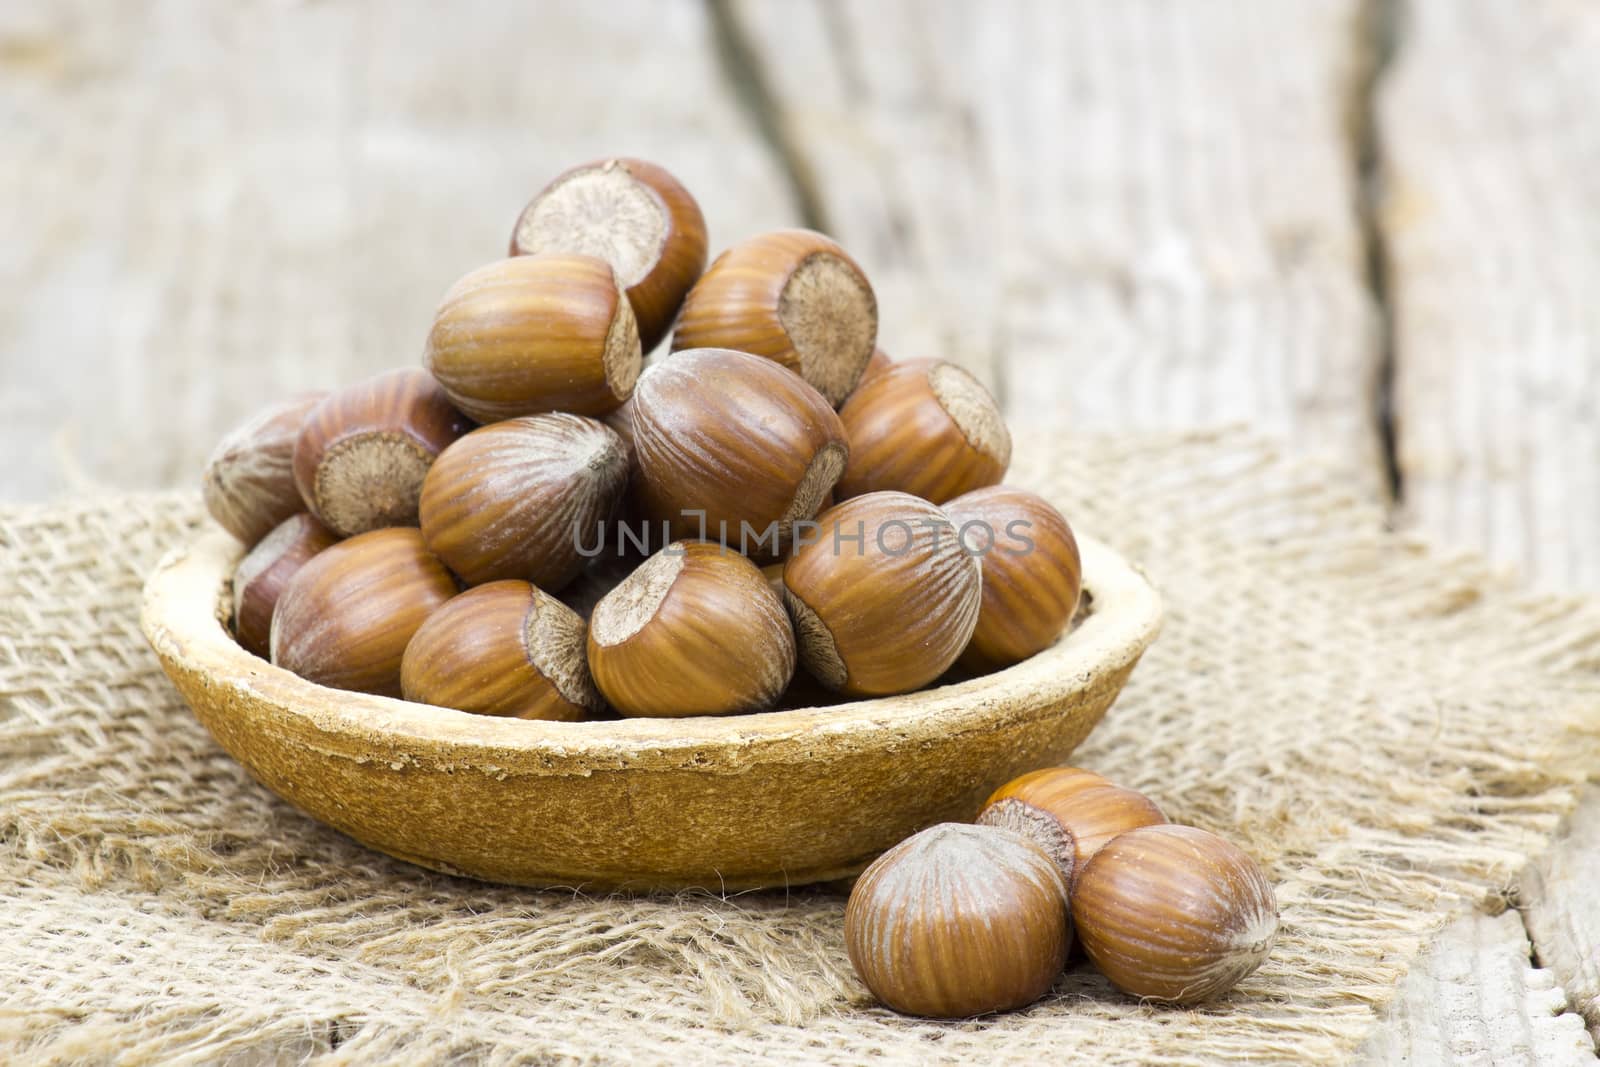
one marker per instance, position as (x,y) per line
(1390,730)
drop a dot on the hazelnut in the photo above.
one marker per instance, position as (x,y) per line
(513,499)
(695,630)
(738,438)
(1068,813)
(925,427)
(248,484)
(1174,913)
(521,336)
(506,648)
(264,573)
(636,217)
(792,296)
(1032,574)
(884,599)
(879,362)
(363,451)
(346,617)
(958,921)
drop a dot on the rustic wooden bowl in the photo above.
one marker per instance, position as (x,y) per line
(780,798)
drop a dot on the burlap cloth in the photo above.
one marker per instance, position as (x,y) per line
(1391,732)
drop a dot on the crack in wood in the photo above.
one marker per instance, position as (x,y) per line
(1379,28)
(736,54)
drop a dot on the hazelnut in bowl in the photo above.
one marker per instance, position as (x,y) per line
(427,661)
(772,798)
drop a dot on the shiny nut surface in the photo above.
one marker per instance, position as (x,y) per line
(884,599)
(695,630)
(265,572)
(1068,814)
(958,921)
(530,334)
(347,616)
(248,483)
(634,215)
(363,450)
(514,499)
(792,296)
(924,427)
(505,648)
(1032,573)
(1174,913)
(734,437)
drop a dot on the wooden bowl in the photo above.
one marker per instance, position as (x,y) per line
(780,798)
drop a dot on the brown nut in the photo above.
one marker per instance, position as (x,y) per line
(248,484)
(958,921)
(884,599)
(517,499)
(924,427)
(879,362)
(347,616)
(1174,913)
(1032,574)
(636,217)
(506,648)
(735,437)
(1067,814)
(792,296)
(363,451)
(531,334)
(264,573)
(695,630)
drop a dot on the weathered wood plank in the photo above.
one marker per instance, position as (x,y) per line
(1132,214)
(1474,999)
(1557,895)
(1158,227)
(1491,225)
(208,205)
(1490,140)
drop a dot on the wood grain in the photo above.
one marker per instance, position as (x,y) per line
(1491,224)
(1473,999)
(1557,895)
(262,198)
(1490,140)
(1118,215)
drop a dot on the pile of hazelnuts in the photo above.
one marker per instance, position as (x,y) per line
(534,525)
(963,919)
(540,522)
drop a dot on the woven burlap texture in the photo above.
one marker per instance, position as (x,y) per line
(1390,731)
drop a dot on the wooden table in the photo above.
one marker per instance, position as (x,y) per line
(1373,228)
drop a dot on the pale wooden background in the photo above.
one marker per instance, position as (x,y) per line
(1370,227)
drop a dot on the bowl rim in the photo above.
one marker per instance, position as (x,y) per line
(183,619)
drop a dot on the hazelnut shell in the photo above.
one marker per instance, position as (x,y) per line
(695,630)
(791,296)
(363,450)
(888,613)
(1072,820)
(521,336)
(516,499)
(506,648)
(924,427)
(958,921)
(738,438)
(248,484)
(634,215)
(265,572)
(1174,913)
(1032,573)
(347,616)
